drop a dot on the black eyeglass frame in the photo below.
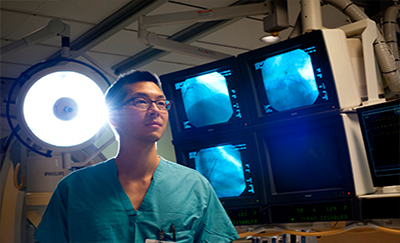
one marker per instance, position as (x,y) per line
(164,107)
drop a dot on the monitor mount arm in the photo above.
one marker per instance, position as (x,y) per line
(152,39)
(368,31)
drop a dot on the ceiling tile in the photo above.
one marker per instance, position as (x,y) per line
(208,3)
(183,59)
(220,48)
(160,68)
(103,62)
(171,7)
(30,55)
(245,33)
(124,43)
(30,6)
(14,26)
(92,11)
(166,29)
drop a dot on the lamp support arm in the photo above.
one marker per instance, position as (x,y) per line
(234,12)
(54,28)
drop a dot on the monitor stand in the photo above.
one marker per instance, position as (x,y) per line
(390,189)
(387,191)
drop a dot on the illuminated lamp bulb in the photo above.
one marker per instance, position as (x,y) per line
(64,109)
(270,38)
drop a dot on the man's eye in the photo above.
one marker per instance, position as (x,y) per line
(161,103)
(141,101)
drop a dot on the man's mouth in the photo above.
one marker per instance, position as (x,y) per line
(154,123)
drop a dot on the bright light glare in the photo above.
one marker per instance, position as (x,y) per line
(270,39)
(39,103)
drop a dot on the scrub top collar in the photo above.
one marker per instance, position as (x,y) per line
(126,202)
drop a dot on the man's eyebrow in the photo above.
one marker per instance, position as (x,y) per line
(139,94)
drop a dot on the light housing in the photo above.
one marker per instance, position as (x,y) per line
(60,106)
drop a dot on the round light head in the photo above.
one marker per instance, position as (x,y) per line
(62,109)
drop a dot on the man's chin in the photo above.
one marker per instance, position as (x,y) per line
(154,137)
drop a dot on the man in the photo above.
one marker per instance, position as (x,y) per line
(136,196)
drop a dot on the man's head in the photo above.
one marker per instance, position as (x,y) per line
(116,93)
(137,106)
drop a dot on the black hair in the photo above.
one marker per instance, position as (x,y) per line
(116,93)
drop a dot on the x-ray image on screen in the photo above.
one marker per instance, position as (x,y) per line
(289,80)
(206,100)
(222,166)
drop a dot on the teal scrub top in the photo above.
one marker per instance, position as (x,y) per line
(90,205)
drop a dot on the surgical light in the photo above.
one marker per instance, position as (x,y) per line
(64,108)
(60,106)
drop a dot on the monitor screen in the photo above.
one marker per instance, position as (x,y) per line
(306,160)
(290,79)
(207,98)
(380,126)
(230,164)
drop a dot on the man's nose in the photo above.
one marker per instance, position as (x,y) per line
(153,109)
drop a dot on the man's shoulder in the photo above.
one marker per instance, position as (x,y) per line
(179,167)
(92,172)
(182,172)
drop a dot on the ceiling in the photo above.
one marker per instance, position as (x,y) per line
(104,33)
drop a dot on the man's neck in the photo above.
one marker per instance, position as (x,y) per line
(136,161)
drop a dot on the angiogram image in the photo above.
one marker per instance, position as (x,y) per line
(222,166)
(289,80)
(206,100)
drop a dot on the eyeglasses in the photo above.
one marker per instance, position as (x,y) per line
(145,103)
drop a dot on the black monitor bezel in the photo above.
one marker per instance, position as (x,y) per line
(252,157)
(177,112)
(324,121)
(257,92)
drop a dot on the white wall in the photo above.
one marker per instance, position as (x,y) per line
(164,146)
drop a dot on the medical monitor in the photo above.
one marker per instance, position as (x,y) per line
(301,76)
(206,99)
(306,160)
(380,126)
(230,163)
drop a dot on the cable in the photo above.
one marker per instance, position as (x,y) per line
(384,229)
(388,230)
(323,233)
(262,232)
(279,231)
(293,232)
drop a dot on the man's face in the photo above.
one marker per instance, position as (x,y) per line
(134,123)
